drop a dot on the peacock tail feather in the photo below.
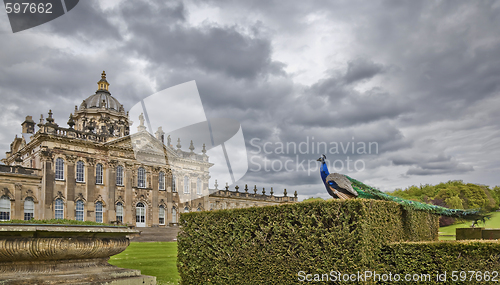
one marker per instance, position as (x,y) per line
(368,192)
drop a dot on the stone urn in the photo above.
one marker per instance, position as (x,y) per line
(65,254)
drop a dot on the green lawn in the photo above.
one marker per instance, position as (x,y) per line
(493,222)
(151,258)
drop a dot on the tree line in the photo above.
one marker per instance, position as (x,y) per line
(454,194)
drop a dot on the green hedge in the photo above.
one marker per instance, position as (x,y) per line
(270,245)
(455,258)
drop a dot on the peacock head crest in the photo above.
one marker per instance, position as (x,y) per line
(322,158)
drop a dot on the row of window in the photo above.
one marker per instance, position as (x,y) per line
(59,210)
(141,176)
(29,210)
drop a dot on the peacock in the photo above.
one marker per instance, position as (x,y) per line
(343,187)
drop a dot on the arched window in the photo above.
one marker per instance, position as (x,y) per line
(174,215)
(119,175)
(29,208)
(80,171)
(59,169)
(5,208)
(119,212)
(173,184)
(98,212)
(161,181)
(198,186)
(98,174)
(162,215)
(186,210)
(186,185)
(199,209)
(140,215)
(141,178)
(79,210)
(59,209)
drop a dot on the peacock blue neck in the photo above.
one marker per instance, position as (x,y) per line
(324,171)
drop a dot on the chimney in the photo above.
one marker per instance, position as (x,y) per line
(28,125)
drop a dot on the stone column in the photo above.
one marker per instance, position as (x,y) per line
(71,185)
(111,185)
(154,199)
(129,208)
(18,203)
(90,181)
(48,181)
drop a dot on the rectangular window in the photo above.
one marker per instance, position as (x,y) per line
(59,169)
(59,209)
(186,185)
(98,174)
(141,178)
(161,181)
(173,184)
(29,209)
(198,186)
(5,208)
(119,175)
(80,171)
(162,215)
(98,212)
(119,212)
(79,210)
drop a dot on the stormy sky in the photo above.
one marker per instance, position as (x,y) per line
(417,81)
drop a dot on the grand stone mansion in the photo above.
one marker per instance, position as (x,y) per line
(97,170)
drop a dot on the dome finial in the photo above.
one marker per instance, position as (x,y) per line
(103,84)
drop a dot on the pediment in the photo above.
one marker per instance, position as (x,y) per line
(146,147)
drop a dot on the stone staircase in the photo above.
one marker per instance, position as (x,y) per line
(156,234)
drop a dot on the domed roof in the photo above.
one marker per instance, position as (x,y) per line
(101,99)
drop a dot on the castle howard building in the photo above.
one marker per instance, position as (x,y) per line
(97,170)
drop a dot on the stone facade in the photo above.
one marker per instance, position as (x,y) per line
(96,169)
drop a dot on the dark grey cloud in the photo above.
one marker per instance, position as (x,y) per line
(361,69)
(433,165)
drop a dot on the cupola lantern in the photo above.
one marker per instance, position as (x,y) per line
(103,84)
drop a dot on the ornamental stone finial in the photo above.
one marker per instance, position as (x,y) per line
(295,194)
(284,193)
(50,119)
(191,146)
(263,191)
(255,189)
(169,140)
(204,150)
(71,122)
(179,143)
(216,185)
(246,188)
(272,191)
(236,187)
